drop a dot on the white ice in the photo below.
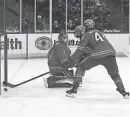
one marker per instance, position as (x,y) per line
(96,97)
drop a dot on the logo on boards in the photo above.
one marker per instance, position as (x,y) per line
(43,43)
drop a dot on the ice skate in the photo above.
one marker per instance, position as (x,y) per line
(71,93)
(124,93)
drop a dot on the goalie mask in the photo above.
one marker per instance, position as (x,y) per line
(63,37)
(89,24)
(79,31)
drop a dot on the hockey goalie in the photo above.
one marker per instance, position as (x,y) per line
(58,61)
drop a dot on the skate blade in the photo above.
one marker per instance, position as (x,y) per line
(70,95)
(127,96)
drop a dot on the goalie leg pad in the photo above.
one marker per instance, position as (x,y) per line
(59,81)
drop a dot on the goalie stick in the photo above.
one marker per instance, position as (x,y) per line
(16,85)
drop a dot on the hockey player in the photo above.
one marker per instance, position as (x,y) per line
(102,53)
(58,57)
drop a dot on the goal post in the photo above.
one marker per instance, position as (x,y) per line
(3,35)
(5,60)
(0,65)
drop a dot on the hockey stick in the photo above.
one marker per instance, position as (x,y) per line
(16,85)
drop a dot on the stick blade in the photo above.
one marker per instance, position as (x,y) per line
(8,84)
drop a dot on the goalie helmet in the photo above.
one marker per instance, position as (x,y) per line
(79,31)
(63,37)
(89,24)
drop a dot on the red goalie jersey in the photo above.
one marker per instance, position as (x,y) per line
(97,42)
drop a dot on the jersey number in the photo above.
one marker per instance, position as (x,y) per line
(98,37)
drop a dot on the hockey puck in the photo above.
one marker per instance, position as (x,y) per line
(5,89)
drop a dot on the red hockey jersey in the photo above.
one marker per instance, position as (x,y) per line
(97,42)
(58,56)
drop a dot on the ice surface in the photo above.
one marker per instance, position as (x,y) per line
(97,96)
